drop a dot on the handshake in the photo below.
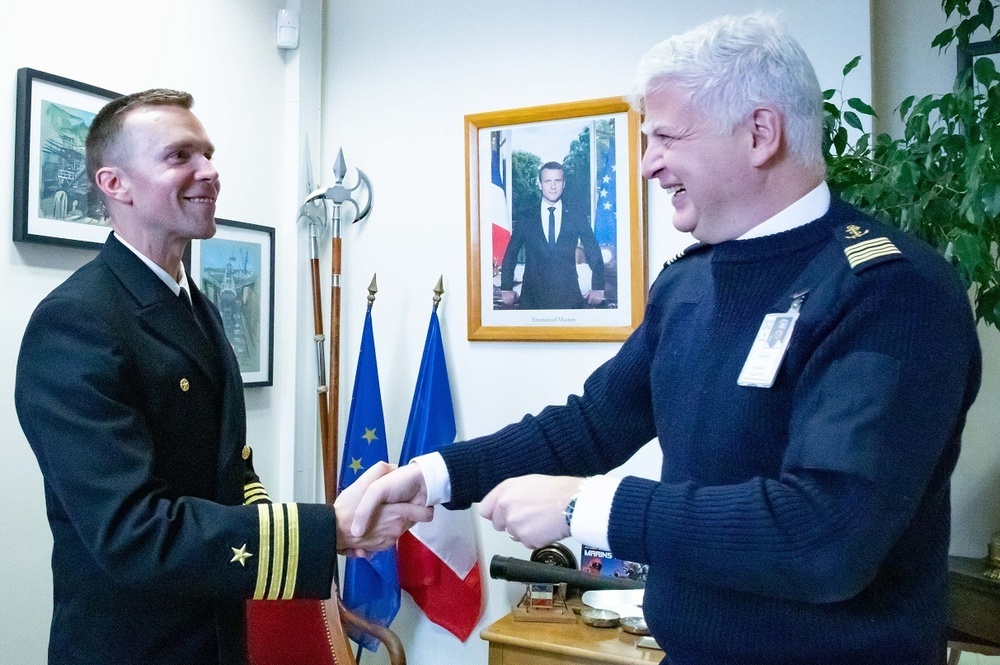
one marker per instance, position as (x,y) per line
(385,501)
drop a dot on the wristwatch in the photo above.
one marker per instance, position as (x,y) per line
(571,506)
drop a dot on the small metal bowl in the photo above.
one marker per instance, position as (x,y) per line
(600,618)
(635,625)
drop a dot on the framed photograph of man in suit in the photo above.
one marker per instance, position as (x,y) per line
(556,222)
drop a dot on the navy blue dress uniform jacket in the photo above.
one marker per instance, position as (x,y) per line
(161,529)
(550,278)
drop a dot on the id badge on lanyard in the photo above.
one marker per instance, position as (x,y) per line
(773,338)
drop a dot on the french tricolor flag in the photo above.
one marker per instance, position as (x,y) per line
(495,198)
(438,561)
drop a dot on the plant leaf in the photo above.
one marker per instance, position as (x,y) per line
(985,70)
(989,194)
(852,119)
(861,107)
(986,13)
(851,65)
(944,38)
(904,107)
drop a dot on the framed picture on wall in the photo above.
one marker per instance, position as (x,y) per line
(971,52)
(235,270)
(53,200)
(556,222)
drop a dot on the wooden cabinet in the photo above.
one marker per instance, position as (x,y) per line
(533,643)
(974,617)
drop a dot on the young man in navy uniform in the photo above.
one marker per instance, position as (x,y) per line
(132,400)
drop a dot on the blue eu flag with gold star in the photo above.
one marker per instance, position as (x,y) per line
(371,586)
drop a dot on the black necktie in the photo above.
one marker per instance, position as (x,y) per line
(552,226)
(185,298)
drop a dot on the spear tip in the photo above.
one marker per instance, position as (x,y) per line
(339,165)
(372,290)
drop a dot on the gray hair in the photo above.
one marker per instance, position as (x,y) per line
(731,65)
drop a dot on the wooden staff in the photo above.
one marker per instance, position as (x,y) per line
(338,195)
(333,412)
(318,337)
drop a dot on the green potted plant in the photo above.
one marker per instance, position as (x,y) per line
(941,179)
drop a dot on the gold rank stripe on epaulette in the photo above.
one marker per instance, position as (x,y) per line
(868,250)
(278,562)
(677,257)
(690,249)
(254,493)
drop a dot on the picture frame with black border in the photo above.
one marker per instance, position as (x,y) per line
(235,270)
(54,202)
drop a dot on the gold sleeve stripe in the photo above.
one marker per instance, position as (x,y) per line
(263,561)
(254,497)
(278,562)
(293,551)
(861,252)
(278,555)
(253,487)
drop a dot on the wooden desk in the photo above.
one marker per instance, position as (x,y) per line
(533,643)
(974,626)
(974,619)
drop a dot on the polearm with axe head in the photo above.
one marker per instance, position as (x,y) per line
(338,195)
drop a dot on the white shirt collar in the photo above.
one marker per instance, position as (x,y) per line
(810,207)
(160,272)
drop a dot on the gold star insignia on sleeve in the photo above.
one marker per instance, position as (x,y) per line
(369,435)
(240,555)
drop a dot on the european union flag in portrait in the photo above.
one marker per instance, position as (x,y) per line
(371,586)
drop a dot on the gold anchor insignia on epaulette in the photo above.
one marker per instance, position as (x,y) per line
(853,232)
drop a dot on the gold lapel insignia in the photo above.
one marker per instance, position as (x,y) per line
(185,385)
(854,232)
(240,555)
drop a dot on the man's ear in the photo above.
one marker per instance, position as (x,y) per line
(110,180)
(767,131)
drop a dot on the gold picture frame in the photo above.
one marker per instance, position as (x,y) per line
(593,148)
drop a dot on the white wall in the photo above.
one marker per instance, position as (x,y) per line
(398,80)
(222,52)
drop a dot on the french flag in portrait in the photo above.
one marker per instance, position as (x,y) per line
(495,197)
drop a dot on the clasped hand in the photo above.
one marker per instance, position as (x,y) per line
(384,523)
(528,508)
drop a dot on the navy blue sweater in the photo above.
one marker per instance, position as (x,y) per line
(803,523)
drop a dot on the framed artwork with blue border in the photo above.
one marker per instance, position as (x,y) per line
(235,270)
(53,200)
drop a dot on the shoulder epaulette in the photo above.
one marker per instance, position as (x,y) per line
(865,247)
(687,251)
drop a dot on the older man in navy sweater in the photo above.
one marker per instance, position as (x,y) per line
(802,511)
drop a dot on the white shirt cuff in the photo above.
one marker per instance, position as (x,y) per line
(590,519)
(436,477)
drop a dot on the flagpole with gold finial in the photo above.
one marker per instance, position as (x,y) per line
(438,292)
